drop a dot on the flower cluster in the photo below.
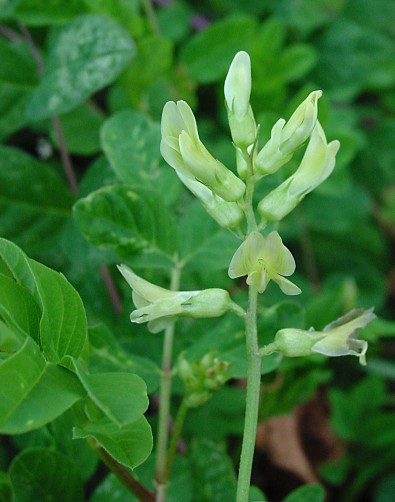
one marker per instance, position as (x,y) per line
(227,198)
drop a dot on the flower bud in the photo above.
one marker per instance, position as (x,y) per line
(286,137)
(182,149)
(317,164)
(201,377)
(337,339)
(263,259)
(228,215)
(237,99)
(160,307)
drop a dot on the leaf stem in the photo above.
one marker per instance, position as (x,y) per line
(164,398)
(178,425)
(134,486)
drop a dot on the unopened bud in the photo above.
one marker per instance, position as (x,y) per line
(286,137)
(237,98)
(317,164)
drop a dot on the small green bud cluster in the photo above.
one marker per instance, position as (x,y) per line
(201,377)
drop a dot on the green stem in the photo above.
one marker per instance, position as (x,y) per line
(253,358)
(123,474)
(178,425)
(252,399)
(164,399)
(150,13)
(249,195)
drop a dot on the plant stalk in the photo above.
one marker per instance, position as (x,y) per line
(178,425)
(164,399)
(252,398)
(253,358)
(124,475)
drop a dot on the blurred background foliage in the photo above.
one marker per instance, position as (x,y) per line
(104,69)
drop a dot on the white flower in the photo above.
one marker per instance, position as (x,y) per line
(317,164)
(237,91)
(159,307)
(286,137)
(182,149)
(339,338)
(263,259)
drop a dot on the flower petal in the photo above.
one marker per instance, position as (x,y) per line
(278,257)
(286,286)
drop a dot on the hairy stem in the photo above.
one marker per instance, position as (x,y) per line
(178,425)
(253,359)
(164,399)
(252,399)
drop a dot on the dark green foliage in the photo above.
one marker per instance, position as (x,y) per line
(72,366)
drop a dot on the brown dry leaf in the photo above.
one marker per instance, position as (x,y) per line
(300,441)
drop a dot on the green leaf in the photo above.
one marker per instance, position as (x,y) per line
(43,474)
(51,12)
(153,59)
(63,322)
(122,397)
(124,12)
(83,455)
(18,309)
(63,319)
(106,354)
(131,143)
(85,56)
(130,445)
(33,391)
(385,490)
(81,130)
(350,409)
(208,54)
(307,493)
(17,265)
(256,495)
(214,474)
(203,244)
(10,340)
(34,201)
(5,488)
(130,218)
(354,59)
(7,7)
(18,78)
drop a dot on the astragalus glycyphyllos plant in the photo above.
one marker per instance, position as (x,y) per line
(261,256)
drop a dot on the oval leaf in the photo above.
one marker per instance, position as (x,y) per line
(129,445)
(33,392)
(43,474)
(122,397)
(86,55)
(129,218)
(35,202)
